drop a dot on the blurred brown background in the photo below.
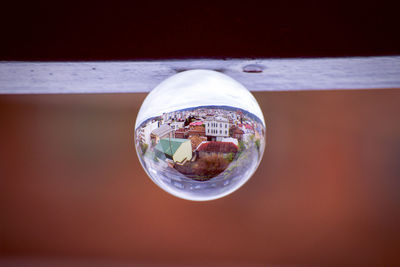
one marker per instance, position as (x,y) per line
(72,190)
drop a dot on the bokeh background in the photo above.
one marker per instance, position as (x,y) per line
(72,191)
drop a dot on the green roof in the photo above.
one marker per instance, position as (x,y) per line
(167,144)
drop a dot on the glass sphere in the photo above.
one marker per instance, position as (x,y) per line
(200,135)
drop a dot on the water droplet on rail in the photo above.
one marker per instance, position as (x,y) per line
(253,68)
(200,135)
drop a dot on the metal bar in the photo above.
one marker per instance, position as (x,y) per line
(256,75)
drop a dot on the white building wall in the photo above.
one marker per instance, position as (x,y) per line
(177,125)
(147,131)
(217,127)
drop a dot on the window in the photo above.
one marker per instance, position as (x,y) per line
(220,125)
(226,126)
(225,132)
(220,131)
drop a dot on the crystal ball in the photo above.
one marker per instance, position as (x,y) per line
(200,135)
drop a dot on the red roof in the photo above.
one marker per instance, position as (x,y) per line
(196,123)
(180,130)
(238,131)
(197,129)
(218,147)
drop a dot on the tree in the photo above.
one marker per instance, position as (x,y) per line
(189,120)
(252,137)
(144,147)
(258,144)
(230,157)
(241,146)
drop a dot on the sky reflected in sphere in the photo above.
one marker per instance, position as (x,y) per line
(200,135)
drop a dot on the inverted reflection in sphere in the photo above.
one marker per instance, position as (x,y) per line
(200,135)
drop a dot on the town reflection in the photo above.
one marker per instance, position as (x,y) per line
(201,143)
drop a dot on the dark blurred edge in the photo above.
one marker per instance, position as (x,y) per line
(60,262)
(110,30)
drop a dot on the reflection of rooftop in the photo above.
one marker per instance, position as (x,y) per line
(195,123)
(197,129)
(218,147)
(217,118)
(170,145)
(162,130)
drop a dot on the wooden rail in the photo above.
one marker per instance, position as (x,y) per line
(256,75)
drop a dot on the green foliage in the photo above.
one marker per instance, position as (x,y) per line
(258,144)
(230,157)
(189,120)
(241,146)
(144,147)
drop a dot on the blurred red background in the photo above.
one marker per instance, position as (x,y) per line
(72,190)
